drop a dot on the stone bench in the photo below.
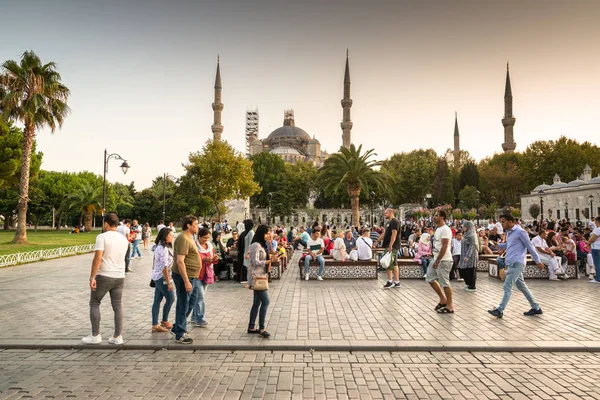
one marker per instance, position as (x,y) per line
(482,263)
(531,270)
(341,269)
(276,270)
(409,268)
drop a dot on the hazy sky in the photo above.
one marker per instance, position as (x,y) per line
(141,73)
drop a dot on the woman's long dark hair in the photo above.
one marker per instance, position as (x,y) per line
(161,238)
(259,235)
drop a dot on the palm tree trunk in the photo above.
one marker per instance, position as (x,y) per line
(28,137)
(355,208)
(87,218)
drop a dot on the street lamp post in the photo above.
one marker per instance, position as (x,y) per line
(124,168)
(372,203)
(541,193)
(270,196)
(477,202)
(567,211)
(165,177)
(591,198)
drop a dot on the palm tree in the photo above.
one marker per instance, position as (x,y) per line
(87,200)
(355,172)
(33,94)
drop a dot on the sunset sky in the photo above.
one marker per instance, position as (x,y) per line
(141,73)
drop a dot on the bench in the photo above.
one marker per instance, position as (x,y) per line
(482,264)
(409,268)
(531,270)
(341,269)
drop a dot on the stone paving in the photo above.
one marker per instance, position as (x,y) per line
(123,374)
(45,304)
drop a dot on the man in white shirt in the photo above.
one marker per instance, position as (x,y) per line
(439,276)
(491,224)
(160,225)
(124,230)
(107,276)
(499,228)
(364,245)
(547,256)
(594,243)
(315,246)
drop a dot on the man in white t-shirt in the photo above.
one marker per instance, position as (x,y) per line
(107,276)
(160,225)
(364,245)
(499,228)
(124,229)
(439,276)
(491,224)
(315,246)
(594,243)
(547,256)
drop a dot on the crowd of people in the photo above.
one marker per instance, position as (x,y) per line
(184,265)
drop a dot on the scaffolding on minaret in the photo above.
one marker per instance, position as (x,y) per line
(251,128)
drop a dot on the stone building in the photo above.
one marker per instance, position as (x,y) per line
(578,200)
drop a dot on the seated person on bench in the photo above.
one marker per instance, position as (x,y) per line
(315,246)
(364,245)
(339,247)
(547,256)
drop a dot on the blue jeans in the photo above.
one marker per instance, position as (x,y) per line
(514,276)
(261,300)
(249,275)
(320,260)
(135,248)
(185,304)
(425,262)
(198,310)
(596,258)
(161,291)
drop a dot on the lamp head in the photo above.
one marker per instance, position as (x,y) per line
(125,167)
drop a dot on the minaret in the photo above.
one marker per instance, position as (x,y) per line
(217,106)
(346,104)
(508,121)
(456,151)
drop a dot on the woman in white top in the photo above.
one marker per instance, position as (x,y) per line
(339,248)
(163,283)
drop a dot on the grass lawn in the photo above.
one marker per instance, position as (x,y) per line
(44,239)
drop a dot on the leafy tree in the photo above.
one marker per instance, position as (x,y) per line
(501,178)
(119,199)
(412,173)
(469,175)
(55,186)
(87,200)
(352,171)
(147,206)
(463,158)
(268,172)
(534,210)
(11,150)
(468,197)
(565,156)
(443,192)
(34,95)
(222,173)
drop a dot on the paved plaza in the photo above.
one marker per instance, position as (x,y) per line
(45,305)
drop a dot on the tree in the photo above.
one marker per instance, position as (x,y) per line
(443,192)
(222,173)
(412,173)
(468,197)
(87,200)
(353,171)
(469,175)
(534,210)
(34,95)
(501,177)
(268,170)
(11,150)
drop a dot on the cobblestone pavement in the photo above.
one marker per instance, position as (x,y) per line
(47,303)
(123,374)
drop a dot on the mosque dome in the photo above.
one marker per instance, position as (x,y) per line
(594,180)
(285,151)
(543,186)
(576,182)
(289,131)
(558,185)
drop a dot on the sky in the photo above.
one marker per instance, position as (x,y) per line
(141,73)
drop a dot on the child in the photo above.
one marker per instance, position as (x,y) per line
(456,248)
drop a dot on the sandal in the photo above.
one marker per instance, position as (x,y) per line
(444,310)
(264,334)
(166,324)
(440,305)
(158,328)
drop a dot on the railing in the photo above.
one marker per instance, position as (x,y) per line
(40,255)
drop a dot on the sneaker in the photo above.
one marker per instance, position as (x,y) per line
(470,290)
(388,285)
(202,324)
(496,313)
(533,311)
(554,279)
(460,280)
(319,278)
(90,339)
(594,281)
(397,285)
(185,339)
(116,340)
(306,276)
(425,276)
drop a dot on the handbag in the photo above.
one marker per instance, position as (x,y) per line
(260,283)
(152,284)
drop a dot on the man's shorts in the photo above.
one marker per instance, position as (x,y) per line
(440,274)
(393,255)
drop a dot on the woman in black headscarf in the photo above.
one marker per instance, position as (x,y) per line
(219,252)
(469,255)
(242,270)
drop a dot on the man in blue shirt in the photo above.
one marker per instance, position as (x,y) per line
(516,246)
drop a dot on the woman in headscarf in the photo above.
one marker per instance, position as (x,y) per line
(469,255)
(424,254)
(219,252)
(244,243)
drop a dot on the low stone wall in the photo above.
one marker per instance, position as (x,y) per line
(342,269)
(531,270)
